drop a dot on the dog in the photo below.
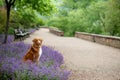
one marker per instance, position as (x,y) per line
(35,51)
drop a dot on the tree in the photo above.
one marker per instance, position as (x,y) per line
(81,15)
(9,4)
(44,7)
(112,20)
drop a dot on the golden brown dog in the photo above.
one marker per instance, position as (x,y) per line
(35,51)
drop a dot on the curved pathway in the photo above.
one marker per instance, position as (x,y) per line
(86,60)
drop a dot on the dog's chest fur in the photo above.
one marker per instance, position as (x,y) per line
(40,53)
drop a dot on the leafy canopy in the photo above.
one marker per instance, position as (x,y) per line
(44,7)
(93,16)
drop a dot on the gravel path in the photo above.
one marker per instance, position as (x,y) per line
(86,60)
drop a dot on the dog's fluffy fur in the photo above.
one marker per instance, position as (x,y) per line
(35,51)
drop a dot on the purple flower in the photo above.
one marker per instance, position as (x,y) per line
(9,40)
(11,55)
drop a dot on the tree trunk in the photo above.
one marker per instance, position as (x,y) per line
(7,24)
(9,3)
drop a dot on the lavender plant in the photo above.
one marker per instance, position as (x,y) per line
(10,38)
(12,67)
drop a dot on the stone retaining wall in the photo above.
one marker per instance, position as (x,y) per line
(106,40)
(56,32)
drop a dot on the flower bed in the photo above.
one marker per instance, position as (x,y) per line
(12,67)
(9,40)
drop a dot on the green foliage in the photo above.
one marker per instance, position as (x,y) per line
(2,20)
(25,13)
(26,19)
(112,19)
(92,16)
(11,30)
(44,7)
(40,22)
(1,2)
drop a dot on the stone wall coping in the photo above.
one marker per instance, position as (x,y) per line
(56,31)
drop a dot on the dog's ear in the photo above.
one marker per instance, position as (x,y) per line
(34,40)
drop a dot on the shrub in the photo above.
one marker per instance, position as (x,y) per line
(12,67)
(40,22)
